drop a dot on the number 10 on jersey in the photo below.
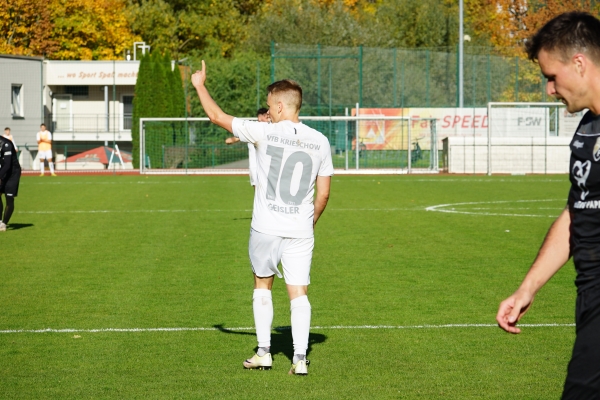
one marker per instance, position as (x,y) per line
(283,177)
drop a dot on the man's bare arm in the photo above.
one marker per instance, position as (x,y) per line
(323,185)
(554,253)
(212,109)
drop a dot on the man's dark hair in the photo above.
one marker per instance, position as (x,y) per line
(287,86)
(567,34)
(7,128)
(261,111)
(42,125)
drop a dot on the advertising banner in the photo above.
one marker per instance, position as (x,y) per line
(460,122)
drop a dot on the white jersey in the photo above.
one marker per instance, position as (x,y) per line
(252,163)
(289,157)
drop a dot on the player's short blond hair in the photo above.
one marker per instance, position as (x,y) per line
(290,90)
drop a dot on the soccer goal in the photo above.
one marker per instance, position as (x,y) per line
(359,144)
(522,138)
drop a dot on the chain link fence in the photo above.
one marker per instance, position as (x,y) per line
(195,145)
(334,78)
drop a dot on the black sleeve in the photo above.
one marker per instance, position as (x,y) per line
(7,151)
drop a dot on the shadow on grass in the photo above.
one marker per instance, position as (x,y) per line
(14,227)
(281,339)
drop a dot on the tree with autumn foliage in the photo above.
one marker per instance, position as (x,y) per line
(507,24)
(66,29)
(26,28)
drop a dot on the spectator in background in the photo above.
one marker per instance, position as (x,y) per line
(9,136)
(263,116)
(44,140)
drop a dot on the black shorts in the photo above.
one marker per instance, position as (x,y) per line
(583,373)
(10,186)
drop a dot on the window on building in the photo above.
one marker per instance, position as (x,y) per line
(127,112)
(78,92)
(16,101)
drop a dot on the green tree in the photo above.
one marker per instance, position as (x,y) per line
(158,94)
(415,23)
(141,105)
(180,26)
(233,83)
(305,22)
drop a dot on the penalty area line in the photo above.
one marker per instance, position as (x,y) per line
(282,328)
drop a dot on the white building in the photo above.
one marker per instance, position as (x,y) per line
(90,101)
(84,104)
(21,101)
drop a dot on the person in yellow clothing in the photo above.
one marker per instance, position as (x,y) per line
(44,139)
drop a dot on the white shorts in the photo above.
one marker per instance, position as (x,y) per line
(266,251)
(45,154)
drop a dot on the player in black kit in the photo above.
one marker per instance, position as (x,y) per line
(567,49)
(10,174)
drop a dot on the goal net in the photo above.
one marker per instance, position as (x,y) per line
(522,138)
(359,144)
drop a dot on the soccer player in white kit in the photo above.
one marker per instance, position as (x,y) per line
(263,116)
(292,159)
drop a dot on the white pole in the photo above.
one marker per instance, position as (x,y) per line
(409,144)
(489,137)
(346,139)
(357,144)
(461,36)
(142,138)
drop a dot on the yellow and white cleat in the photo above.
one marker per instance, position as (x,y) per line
(257,362)
(300,368)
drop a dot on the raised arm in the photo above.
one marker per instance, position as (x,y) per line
(323,184)
(212,109)
(554,253)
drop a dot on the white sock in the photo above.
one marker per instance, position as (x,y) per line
(42,166)
(262,304)
(51,165)
(300,309)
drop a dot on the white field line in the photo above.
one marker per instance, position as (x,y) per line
(450,208)
(124,211)
(399,180)
(197,211)
(111,183)
(438,208)
(247,328)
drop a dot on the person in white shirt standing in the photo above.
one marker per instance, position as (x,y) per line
(9,136)
(44,140)
(292,160)
(263,116)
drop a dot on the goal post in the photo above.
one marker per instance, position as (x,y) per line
(374,144)
(522,138)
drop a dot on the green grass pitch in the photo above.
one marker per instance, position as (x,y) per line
(399,263)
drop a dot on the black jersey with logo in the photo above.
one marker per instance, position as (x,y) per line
(584,201)
(9,161)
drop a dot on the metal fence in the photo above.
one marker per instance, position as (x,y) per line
(334,78)
(194,145)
